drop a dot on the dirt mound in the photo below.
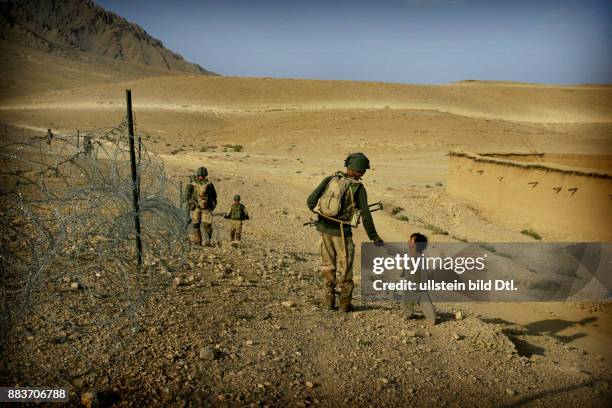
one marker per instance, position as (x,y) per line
(197,94)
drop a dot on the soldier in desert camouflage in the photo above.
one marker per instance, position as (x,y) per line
(49,137)
(202,200)
(87,145)
(336,200)
(236,214)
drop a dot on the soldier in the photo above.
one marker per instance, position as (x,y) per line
(202,199)
(236,214)
(336,200)
(49,137)
(87,145)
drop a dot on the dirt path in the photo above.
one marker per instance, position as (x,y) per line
(257,307)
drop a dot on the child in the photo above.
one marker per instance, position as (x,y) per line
(236,214)
(416,246)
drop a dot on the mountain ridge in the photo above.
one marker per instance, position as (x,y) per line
(60,27)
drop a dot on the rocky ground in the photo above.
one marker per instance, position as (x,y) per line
(243,327)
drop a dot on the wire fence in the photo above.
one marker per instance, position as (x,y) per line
(68,261)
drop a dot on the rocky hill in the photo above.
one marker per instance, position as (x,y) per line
(80,27)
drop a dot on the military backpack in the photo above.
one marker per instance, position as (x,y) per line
(338,198)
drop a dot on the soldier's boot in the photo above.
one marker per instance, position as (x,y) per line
(232,234)
(237,236)
(346,296)
(207,233)
(196,235)
(329,301)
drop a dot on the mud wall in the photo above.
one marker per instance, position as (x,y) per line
(583,161)
(575,203)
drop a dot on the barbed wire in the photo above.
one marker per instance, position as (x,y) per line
(68,259)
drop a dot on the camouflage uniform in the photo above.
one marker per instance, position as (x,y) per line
(236,214)
(87,145)
(49,136)
(202,199)
(336,245)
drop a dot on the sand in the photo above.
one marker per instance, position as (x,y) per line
(294,132)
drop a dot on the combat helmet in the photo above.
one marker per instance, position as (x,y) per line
(202,171)
(237,197)
(358,162)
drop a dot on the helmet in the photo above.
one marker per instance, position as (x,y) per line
(236,197)
(358,162)
(202,172)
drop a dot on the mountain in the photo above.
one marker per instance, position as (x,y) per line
(81,29)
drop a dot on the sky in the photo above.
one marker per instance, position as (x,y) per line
(409,41)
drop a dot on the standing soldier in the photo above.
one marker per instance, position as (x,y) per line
(336,200)
(87,146)
(236,214)
(49,137)
(202,199)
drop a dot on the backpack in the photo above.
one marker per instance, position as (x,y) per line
(236,212)
(201,190)
(332,200)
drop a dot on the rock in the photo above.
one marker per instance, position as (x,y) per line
(207,353)
(458,315)
(249,342)
(411,333)
(457,336)
(309,384)
(89,399)
(75,286)
(510,392)
(288,303)
(384,380)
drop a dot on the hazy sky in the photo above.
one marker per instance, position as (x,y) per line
(415,41)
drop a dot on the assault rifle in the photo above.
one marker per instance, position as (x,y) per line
(354,222)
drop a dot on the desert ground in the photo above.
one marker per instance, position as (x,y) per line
(257,306)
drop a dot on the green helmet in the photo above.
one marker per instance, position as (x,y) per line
(202,172)
(358,162)
(236,197)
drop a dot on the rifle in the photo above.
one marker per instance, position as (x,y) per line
(356,218)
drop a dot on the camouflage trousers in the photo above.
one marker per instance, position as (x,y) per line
(235,229)
(337,267)
(205,217)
